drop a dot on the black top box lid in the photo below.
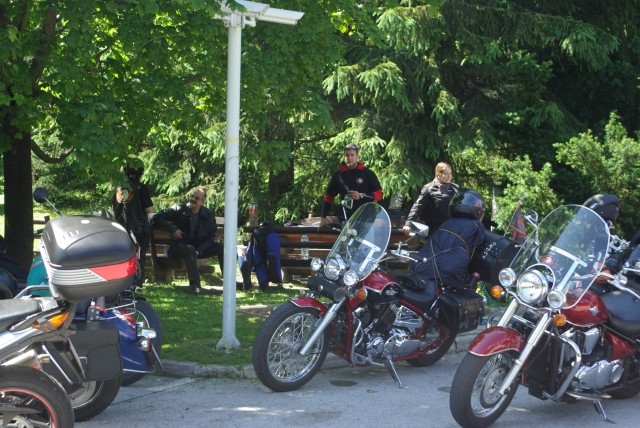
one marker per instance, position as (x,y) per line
(76,242)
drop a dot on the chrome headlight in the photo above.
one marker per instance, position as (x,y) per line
(316,264)
(334,268)
(556,299)
(350,278)
(532,286)
(507,277)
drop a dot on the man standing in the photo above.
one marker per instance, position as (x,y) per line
(132,207)
(355,183)
(193,226)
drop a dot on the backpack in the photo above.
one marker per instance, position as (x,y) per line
(263,256)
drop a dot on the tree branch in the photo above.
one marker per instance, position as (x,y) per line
(37,150)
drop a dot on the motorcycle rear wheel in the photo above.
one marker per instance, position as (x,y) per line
(28,397)
(91,398)
(276,360)
(145,312)
(438,346)
(474,400)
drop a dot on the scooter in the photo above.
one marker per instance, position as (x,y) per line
(44,346)
(129,311)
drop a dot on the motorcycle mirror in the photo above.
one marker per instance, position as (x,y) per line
(347,203)
(530,215)
(41,195)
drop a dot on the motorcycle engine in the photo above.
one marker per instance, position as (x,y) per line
(393,333)
(598,375)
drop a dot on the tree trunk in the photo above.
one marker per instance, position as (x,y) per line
(18,205)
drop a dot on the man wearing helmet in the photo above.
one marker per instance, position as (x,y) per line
(447,253)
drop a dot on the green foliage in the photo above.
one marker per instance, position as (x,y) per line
(610,164)
(509,182)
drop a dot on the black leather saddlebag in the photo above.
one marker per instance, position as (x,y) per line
(462,309)
(494,254)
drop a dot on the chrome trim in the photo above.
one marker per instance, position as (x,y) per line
(326,320)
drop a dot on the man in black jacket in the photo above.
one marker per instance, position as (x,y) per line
(193,226)
(354,182)
(132,207)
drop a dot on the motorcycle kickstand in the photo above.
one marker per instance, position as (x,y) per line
(394,373)
(600,410)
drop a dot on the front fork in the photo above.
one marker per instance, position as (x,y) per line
(532,341)
(324,323)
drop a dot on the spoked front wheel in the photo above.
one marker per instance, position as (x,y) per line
(276,351)
(475,400)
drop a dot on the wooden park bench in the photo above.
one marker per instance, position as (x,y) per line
(164,268)
(321,240)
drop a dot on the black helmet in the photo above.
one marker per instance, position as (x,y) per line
(606,206)
(467,203)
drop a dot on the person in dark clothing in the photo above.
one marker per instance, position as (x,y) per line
(193,226)
(132,208)
(450,248)
(354,182)
(432,206)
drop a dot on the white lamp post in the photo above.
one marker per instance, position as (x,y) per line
(235,21)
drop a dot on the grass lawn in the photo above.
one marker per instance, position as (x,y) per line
(192,325)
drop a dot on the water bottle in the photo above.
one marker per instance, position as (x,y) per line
(304,251)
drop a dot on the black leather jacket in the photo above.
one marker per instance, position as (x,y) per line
(179,217)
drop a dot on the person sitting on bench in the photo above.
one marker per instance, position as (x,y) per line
(193,227)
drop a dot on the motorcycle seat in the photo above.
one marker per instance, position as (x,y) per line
(14,310)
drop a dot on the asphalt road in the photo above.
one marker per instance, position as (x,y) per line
(336,397)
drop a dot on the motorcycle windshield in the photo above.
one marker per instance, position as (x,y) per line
(363,240)
(569,247)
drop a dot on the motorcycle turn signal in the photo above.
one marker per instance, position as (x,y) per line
(497,292)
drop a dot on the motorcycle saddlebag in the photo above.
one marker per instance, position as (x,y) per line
(87,256)
(462,308)
(98,346)
(494,254)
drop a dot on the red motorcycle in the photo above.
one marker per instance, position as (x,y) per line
(370,318)
(571,330)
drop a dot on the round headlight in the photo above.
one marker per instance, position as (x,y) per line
(334,268)
(316,264)
(507,277)
(556,299)
(532,286)
(350,278)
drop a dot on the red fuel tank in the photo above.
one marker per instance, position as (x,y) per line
(590,310)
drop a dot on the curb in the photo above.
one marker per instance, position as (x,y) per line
(197,370)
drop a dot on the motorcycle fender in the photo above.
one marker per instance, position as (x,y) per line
(495,340)
(308,302)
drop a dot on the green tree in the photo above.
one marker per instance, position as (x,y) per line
(610,164)
(95,81)
(506,77)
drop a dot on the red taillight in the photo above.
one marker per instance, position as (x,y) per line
(117,271)
(129,317)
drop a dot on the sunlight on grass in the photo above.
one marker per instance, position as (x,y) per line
(192,324)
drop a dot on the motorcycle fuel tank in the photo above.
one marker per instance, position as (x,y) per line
(590,310)
(381,287)
(87,256)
